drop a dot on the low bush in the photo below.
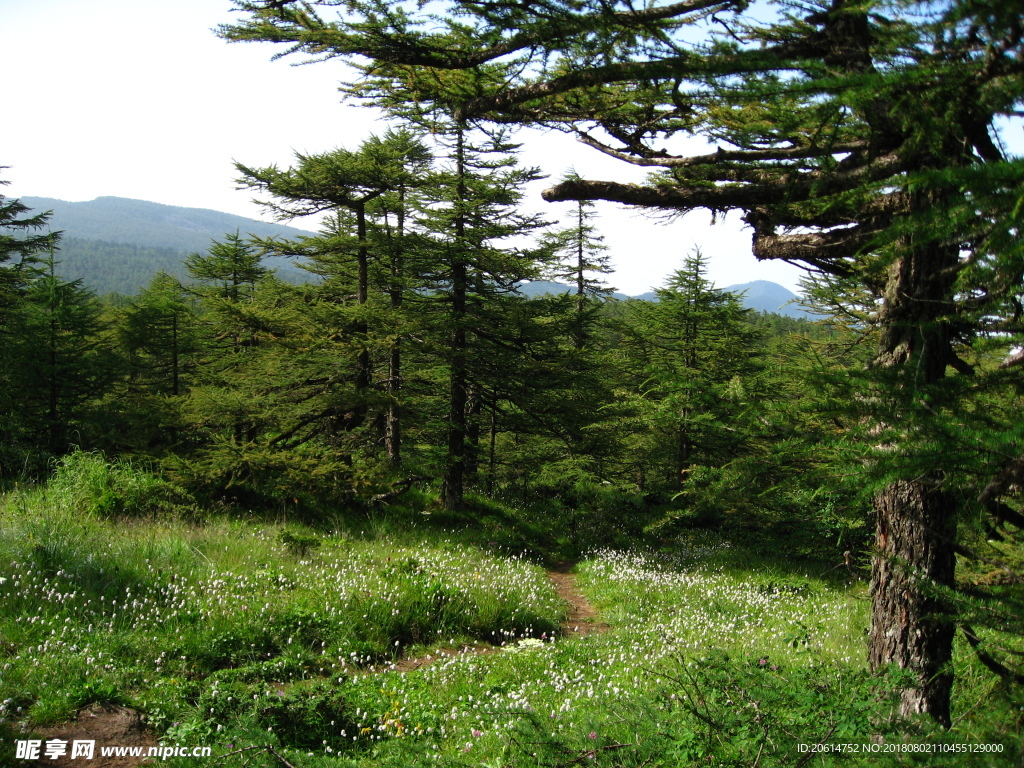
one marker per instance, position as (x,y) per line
(87,483)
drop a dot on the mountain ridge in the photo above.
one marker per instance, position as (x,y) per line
(117,244)
(154,224)
(759,295)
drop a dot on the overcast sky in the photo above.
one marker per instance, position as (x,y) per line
(139,98)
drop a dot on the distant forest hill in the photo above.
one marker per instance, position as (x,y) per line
(116,244)
(759,295)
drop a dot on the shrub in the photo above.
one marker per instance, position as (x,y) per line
(87,483)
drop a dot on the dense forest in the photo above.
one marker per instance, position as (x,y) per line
(336,391)
(861,141)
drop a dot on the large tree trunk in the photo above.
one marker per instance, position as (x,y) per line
(453,483)
(491,461)
(684,449)
(915,532)
(473,434)
(392,417)
(364,373)
(915,518)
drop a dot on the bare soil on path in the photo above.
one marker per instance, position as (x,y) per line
(107,726)
(583,618)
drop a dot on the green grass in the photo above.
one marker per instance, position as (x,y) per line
(147,612)
(698,597)
(236,633)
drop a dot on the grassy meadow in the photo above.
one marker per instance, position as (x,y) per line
(235,633)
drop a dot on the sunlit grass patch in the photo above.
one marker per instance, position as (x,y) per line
(239,633)
(637,695)
(701,607)
(120,610)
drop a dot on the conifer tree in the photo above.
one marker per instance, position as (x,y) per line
(226,280)
(160,337)
(468,209)
(229,271)
(471,211)
(55,363)
(260,404)
(367,192)
(851,136)
(66,366)
(20,244)
(693,361)
(19,238)
(581,255)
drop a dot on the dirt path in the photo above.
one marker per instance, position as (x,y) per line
(583,618)
(106,726)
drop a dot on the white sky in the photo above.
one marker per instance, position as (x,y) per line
(139,99)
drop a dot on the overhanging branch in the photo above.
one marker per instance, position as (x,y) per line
(655,159)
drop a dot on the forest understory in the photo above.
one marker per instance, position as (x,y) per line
(398,638)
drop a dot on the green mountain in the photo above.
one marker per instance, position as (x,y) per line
(118,244)
(761,295)
(766,296)
(544,287)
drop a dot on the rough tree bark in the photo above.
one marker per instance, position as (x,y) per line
(915,519)
(915,531)
(452,485)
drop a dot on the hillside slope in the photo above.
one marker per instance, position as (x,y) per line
(123,220)
(759,295)
(118,244)
(766,296)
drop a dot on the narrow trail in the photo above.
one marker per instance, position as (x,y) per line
(583,617)
(106,725)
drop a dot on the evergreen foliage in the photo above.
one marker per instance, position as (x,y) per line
(67,362)
(580,255)
(409,375)
(20,244)
(692,367)
(54,362)
(856,139)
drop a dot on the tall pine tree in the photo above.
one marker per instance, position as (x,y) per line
(362,251)
(21,242)
(582,256)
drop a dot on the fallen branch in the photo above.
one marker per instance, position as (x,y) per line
(397,489)
(590,754)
